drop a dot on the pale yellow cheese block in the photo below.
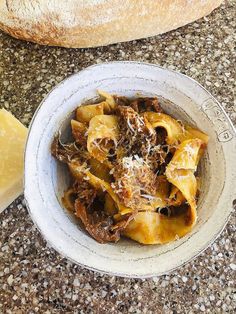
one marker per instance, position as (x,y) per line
(12,144)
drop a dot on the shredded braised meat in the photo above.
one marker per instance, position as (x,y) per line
(67,152)
(137,133)
(134,182)
(79,134)
(138,137)
(99,225)
(85,192)
(146,104)
(140,104)
(122,101)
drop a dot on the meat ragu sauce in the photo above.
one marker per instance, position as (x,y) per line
(133,170)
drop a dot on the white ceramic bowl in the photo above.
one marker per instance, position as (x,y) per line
(45,179)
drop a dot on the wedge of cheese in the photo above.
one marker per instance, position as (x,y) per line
(12,144)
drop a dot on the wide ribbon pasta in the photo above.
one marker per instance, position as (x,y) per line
(103,134)
(155,228)
(176,132)
(85,113)
(191,133)
(160,200)
(109,99)
(141,183)
(110,205)
(100,170)
(180,172)
(173,127)
(100,185)
(176,198)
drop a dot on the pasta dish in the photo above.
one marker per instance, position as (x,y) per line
(133,170)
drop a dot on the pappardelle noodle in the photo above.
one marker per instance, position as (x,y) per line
(134,170)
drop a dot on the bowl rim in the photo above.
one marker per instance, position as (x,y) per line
(111,273)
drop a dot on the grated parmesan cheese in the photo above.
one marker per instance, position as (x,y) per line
(190,150)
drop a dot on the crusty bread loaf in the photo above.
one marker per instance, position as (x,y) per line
(90,23)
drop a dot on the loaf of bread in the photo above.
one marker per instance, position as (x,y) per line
(90,23)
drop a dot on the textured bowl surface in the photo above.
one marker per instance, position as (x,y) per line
(45,179)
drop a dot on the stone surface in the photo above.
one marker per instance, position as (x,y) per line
(33,277)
